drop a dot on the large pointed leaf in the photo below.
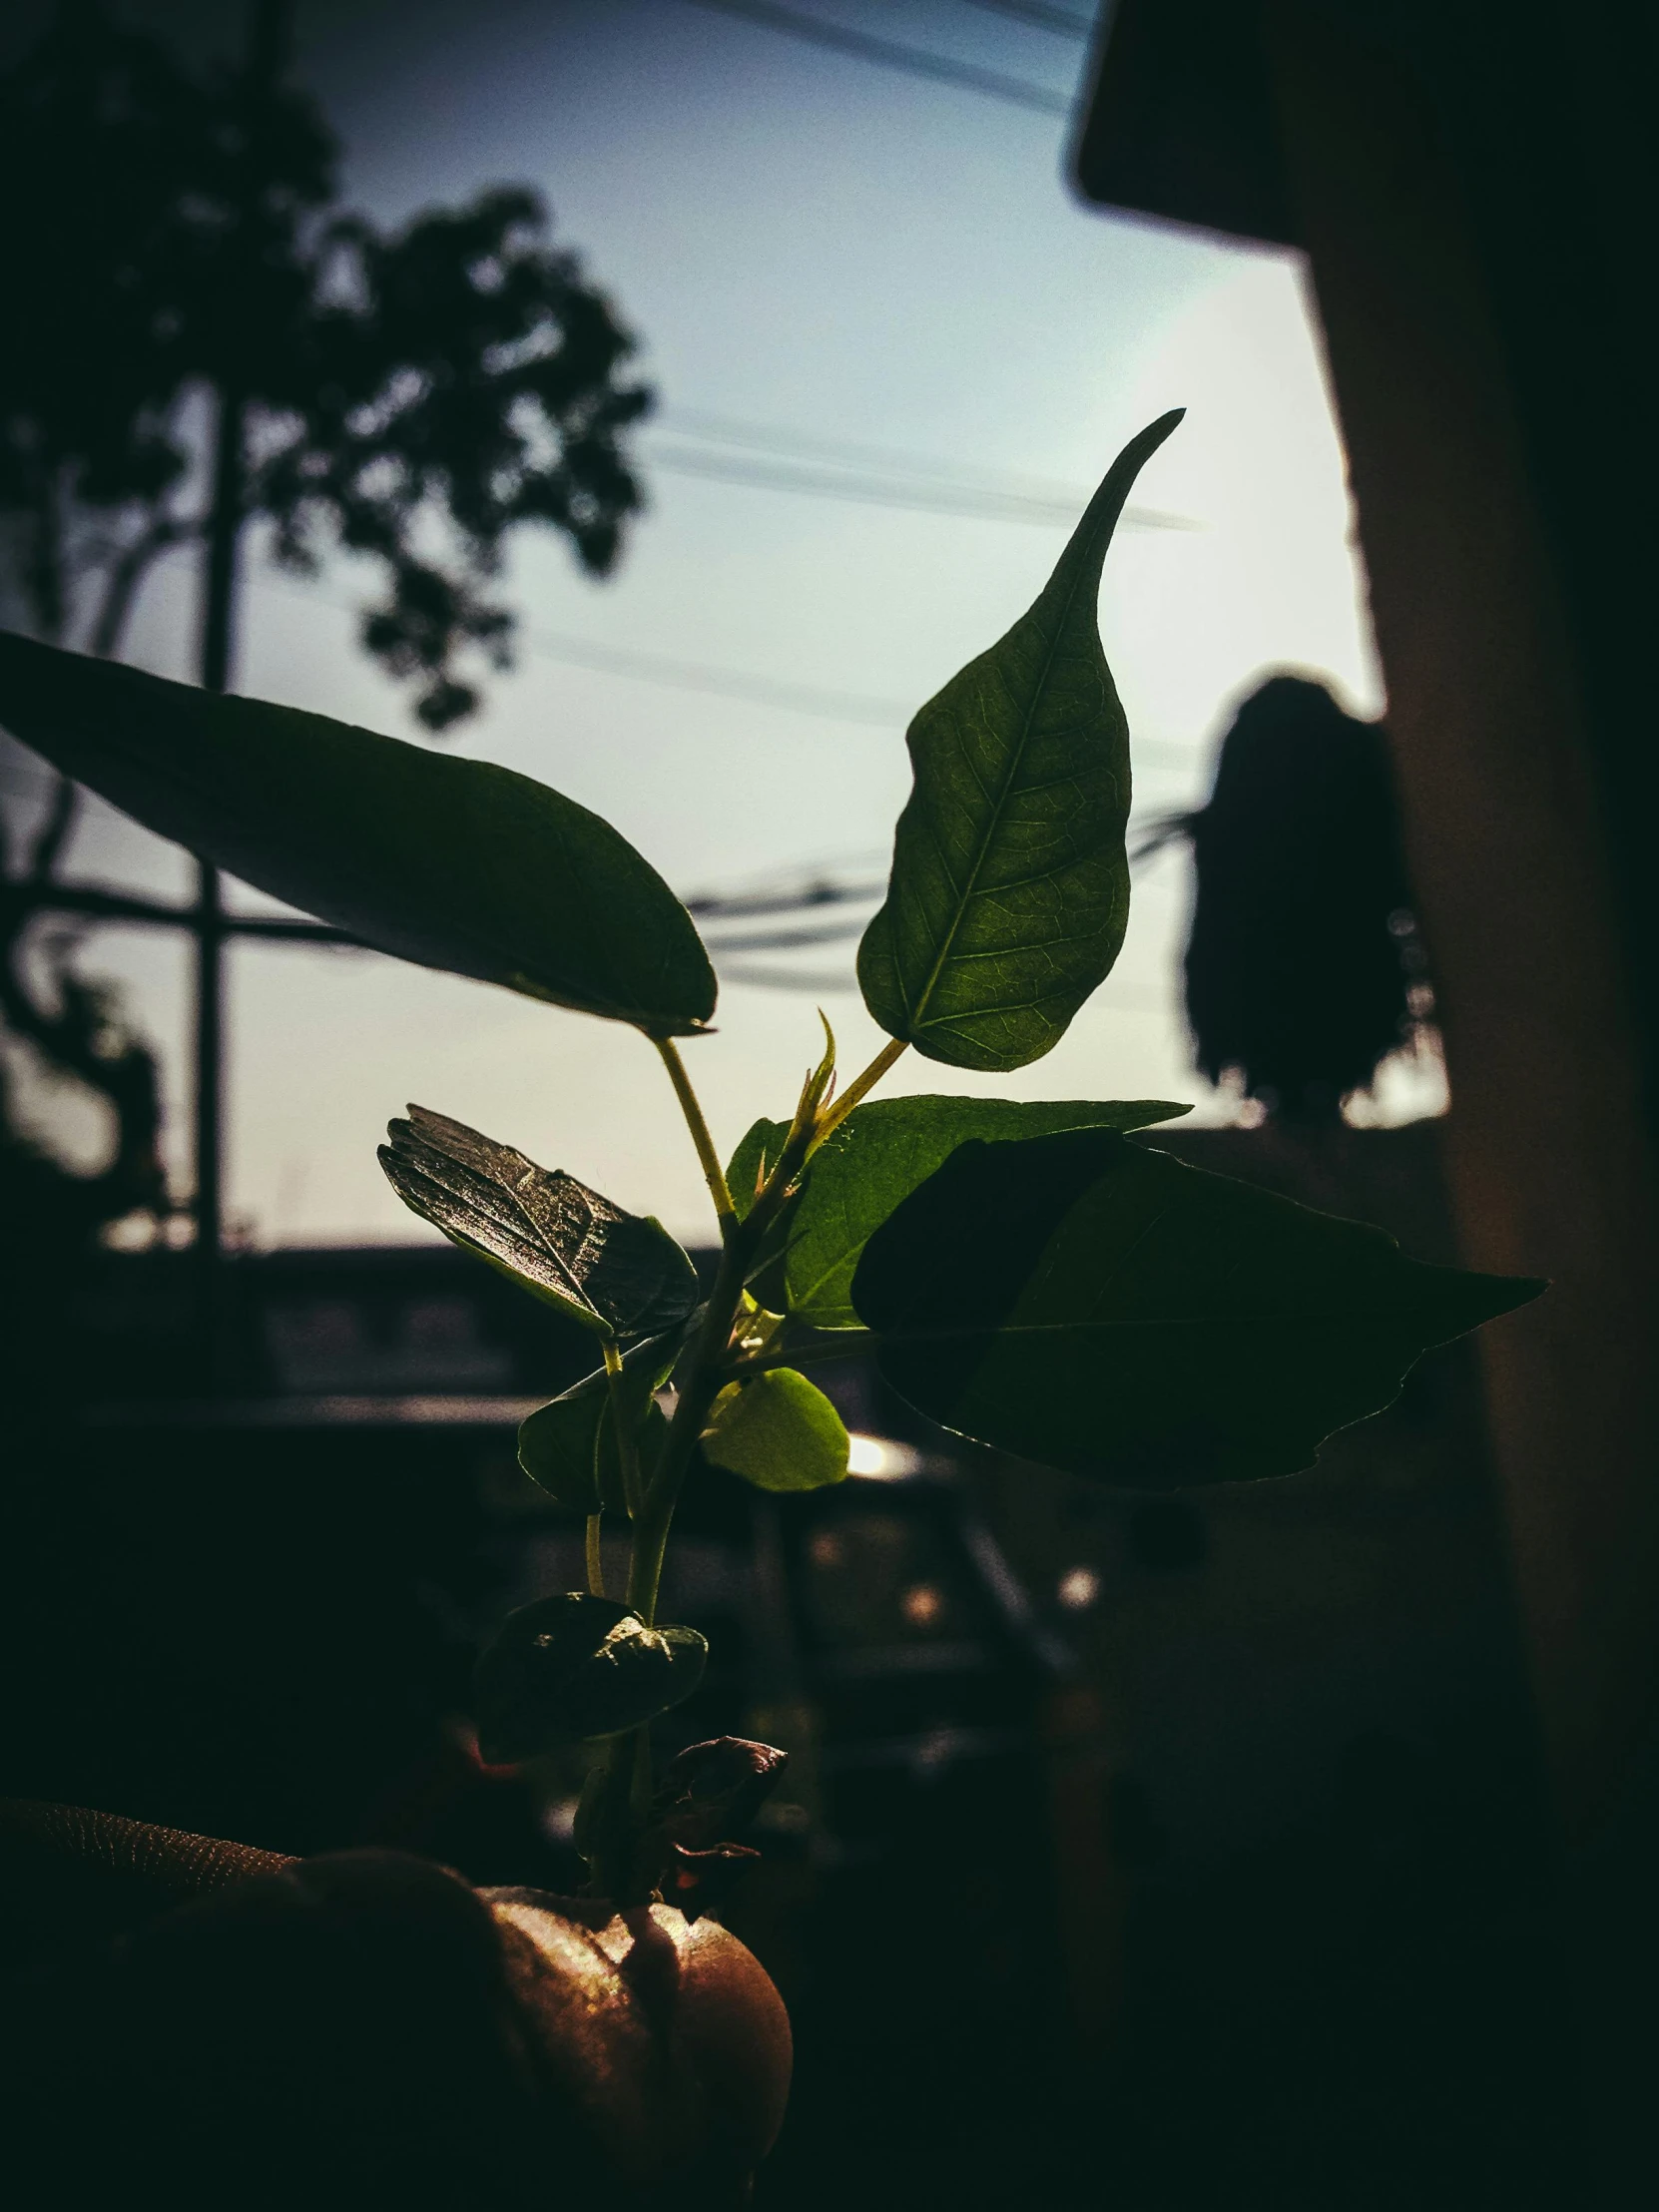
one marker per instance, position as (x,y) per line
(881,1153)
(575,1669)
(450,863)
(620,1275)
(1010,885)
(1091,1303)
(776,1431)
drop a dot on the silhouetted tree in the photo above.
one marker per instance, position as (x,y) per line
(1302,967)
(173,250)
(200,343)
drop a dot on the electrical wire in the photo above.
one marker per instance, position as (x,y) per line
(772,437)
(985,503)
(787,940)
(1041,18)
(913,61)
(722,683)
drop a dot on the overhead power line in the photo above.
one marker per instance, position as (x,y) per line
(983,502)
(823,889)
(822,483)
(787,941)
(724,683)
(912,60)
(808,982)
(1041,18)
(799,699)
(888,460)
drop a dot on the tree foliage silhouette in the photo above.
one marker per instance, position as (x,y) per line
(201,343)
(411,396)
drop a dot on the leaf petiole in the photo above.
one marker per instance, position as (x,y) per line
(627,1436)
(708,1158)
(596,1570)
(839,1344)
(858,1089)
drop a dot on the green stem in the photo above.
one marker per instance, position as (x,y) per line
(859,1088)
(623,1790)
(713,1173)
(698,1387)
(596,1569)
(627,1437)
(611,1841)
(848,1344)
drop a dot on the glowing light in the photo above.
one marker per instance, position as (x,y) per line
(1078,1588)
(879,1459)
(921,1605)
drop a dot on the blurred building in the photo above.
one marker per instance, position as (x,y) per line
(1091,1796)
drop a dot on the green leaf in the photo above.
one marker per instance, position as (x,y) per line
(759,1153)
(620,1275)
(569,1448)
(758,1150)
(576,1669)
(450,863)
(1010,892)
(1091,1303)
(881,1153)
(776,1431)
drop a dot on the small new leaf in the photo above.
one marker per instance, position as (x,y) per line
(454,863)
(757,1154)
(1010,891)
(620,1275)
(576,1669)
(1102,1307)
(776,1431)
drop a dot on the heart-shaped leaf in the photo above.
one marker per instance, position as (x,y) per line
(620,1275)
(1091,1303)
(776,1431)
(1010,891)
(575,1669)
(452,862)
(883,1152)
(569,1448)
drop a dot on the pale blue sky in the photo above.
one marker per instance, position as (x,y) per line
(803,241)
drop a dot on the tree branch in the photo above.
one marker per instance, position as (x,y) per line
(126,576)
(50,839)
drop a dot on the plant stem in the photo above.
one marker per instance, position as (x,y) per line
(627,1439)
(596,1570)
(612,1850)
(713,1173)
(846,1343)
(698,1386)
(859,1088)
(623,1794)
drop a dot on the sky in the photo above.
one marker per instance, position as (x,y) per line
(827,250)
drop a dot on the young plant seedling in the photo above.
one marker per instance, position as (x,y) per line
(1022,1274)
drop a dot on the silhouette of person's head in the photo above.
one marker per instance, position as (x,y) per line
(1295,981)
